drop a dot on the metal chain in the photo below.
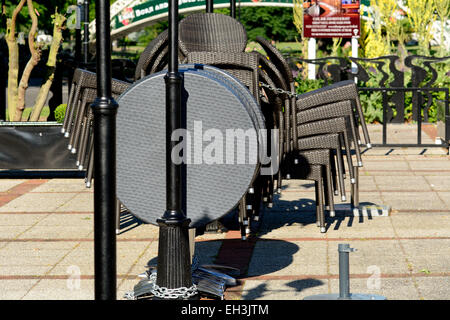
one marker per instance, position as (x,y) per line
(166,293)
(279,90)
(176,293)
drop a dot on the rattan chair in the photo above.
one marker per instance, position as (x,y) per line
(344,90)
(211,32)
(244,67)
(154,56)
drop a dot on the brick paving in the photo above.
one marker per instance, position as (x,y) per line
(46,237)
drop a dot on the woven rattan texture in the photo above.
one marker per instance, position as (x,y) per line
(212,190)
(211,32)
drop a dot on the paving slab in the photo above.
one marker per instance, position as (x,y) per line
(62,289)
(433,288)
(383,254)
(402,183)
(58,232)
(413,200)
(15,289)
(11,219)
(63,185)
(7,184)
(83,202)
(414,225)
(439,183)
(37,202)
(445,197)
(427,256)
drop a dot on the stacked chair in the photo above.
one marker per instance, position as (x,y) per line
(77,125)
(317,130)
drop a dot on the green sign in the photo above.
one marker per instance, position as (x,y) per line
(155,8)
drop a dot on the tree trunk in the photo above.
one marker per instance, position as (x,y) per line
(59,20)
(35,57)
(13,66)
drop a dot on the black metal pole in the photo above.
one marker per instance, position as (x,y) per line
(209,6)
(79,21)
(104,109)
(174,265)
(239,12)
(86,32)
(233,8)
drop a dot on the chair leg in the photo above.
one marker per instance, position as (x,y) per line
(118,204)
(270,191)
(333,174)
(355,139)
(279,182)
(355,190)
(329,190)
(90,166)
(340,166)
(319,204)
(77,125)
(83,143)
(257,198)
(349,157)
(69,106)
(243,221)
(363,124)
(316,190)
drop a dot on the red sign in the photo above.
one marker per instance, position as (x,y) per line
(331,18)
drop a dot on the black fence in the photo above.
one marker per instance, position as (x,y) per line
(408,87)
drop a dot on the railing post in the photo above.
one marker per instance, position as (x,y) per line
(209,6)
(233,8)
(86,32)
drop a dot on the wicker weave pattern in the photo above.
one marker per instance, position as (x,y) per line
(150,53)
(242,66)
(343,90)
(277,58)
(319,156)
(211,32)
(327,141)
(332,110)
(333,125)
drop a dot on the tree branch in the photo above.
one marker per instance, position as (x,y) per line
(59,20)
(35,57)
(13,65)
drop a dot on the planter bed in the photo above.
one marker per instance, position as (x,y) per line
(35,149)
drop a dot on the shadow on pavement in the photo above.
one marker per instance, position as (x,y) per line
(298,285)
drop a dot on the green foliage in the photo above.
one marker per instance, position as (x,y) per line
(306,85)
(45,9)
(151,32)
(60,112)
(27,112)
(269,22)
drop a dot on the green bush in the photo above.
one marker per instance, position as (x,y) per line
(306,85)
(60,112)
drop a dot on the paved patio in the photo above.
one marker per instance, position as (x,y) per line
(46,237)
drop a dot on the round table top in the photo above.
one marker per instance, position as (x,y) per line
(221,153)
